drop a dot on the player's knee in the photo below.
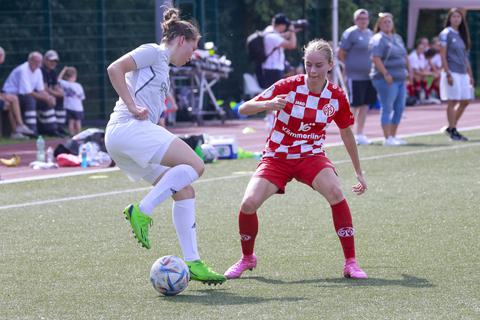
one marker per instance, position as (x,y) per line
(186,193)
(249,205)
(334,195)
(200,168)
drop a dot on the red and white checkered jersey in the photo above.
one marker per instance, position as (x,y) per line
(299,128)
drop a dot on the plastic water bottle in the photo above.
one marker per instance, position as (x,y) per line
(83,156)
(40,149)
(49,155)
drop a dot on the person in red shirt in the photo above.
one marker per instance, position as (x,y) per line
(304,105)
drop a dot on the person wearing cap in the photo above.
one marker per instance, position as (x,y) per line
(355,54)
(279,36)
(26,82)
(51,120)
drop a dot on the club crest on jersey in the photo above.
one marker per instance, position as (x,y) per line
(328,110)
(305,126)
(269,92)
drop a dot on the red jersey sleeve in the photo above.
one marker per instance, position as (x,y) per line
(343,117)
(280,87)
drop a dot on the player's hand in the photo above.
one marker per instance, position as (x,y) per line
(140,113)
(449,79)
(389,78)
(361,186)
(277,103)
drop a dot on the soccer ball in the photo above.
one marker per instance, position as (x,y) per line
(169,275)
(210,154)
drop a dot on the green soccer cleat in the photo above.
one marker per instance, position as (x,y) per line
(199,271)
(140,223)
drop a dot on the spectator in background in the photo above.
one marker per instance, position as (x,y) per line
(26,82)
(51,120)
(354,52)
(456,80)
(389,73)
(73,95)
(419,71)
(10,104)
(280,35)
(435,63)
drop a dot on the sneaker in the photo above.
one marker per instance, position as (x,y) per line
(458,135)
(247,262)
(352,270)
(399,141)
(362,139)
(199,271)
(390,142)
(140,223)
(23,129)
(18,136)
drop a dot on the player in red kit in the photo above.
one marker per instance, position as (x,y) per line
(304,106)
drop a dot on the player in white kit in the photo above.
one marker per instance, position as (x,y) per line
(144,150)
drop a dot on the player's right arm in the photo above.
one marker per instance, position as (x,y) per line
(272,99)
(116,73)
(254,106)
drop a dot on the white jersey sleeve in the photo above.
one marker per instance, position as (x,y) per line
(145,55)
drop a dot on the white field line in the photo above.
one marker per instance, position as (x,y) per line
(104,194)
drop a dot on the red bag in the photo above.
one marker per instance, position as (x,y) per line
(68,160)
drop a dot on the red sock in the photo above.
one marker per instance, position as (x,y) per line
(248,225)
(342,220)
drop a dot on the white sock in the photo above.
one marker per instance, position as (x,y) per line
(174,180)
(183,216)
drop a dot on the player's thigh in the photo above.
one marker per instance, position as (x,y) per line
(258,190)
(327,184)
(180,153)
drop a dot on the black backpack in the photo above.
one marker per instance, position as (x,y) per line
(256,47)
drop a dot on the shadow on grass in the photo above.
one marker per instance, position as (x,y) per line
(224,297)
(406,281)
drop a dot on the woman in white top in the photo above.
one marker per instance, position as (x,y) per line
(144,150)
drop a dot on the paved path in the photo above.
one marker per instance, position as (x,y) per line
(417,119)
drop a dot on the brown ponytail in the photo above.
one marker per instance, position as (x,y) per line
(173,26)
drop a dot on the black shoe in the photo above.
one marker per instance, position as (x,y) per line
(458,135)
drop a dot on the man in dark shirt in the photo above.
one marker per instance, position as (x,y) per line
(52,120)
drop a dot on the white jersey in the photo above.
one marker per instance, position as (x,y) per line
(148,85)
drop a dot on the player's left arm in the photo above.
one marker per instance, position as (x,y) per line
(344,120)
(351,146)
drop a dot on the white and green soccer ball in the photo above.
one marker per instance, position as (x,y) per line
(169,275)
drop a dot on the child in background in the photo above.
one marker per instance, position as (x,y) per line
(73,97)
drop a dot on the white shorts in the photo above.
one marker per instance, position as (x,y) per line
(460,90)
(133,144)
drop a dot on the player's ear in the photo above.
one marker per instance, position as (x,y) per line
(181,40)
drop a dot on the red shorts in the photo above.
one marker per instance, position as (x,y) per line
(281,171)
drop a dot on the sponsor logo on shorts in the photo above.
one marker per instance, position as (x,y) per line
(346,232)
(245,237)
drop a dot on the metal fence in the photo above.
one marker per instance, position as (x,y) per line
(89,34)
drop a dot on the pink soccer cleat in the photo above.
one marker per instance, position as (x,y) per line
(247,262)
(352,270)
